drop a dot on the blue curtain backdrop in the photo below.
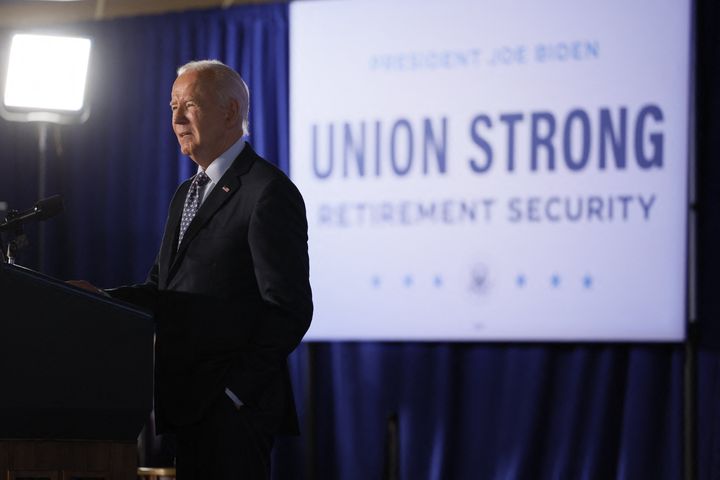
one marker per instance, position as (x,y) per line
(368,410)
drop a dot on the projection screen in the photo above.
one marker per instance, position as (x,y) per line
(493,170)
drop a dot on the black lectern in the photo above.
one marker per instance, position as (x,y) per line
(75,378)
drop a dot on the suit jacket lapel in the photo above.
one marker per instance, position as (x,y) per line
(221,193)
(169,244)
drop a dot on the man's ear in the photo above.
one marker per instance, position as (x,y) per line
(232,113)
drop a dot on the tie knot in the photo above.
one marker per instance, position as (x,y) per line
(201,179)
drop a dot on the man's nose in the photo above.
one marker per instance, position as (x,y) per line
(179,115)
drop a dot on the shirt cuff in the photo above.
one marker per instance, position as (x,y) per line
(238,403)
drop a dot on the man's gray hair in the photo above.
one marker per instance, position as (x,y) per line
(229,83)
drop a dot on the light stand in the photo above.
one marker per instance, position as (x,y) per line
(42,187)
(45,83)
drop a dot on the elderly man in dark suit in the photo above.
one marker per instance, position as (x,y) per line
(229,288)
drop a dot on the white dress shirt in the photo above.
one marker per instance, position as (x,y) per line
(219,166)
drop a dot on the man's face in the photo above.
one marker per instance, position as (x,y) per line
(199,120)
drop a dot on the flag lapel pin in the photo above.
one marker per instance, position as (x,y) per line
(226,189)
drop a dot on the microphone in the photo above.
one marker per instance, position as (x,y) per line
(43,209)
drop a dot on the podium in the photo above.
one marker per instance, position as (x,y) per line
(76,374)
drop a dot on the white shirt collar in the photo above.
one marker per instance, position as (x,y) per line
(220,165)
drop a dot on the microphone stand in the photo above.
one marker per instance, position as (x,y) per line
(44,209)
(11,249)
(3,259)
(20,241)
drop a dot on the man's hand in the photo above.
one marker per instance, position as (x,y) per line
(85,285)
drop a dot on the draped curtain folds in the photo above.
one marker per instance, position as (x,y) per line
(463,411)
(469,411)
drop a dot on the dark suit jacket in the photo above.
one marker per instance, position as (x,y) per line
(233,300)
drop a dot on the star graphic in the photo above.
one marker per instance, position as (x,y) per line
(555,280)
(408,280)
(376,281)
(520,280)
(438,281)
(587,281)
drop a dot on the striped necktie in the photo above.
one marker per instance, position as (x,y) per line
(192,203)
